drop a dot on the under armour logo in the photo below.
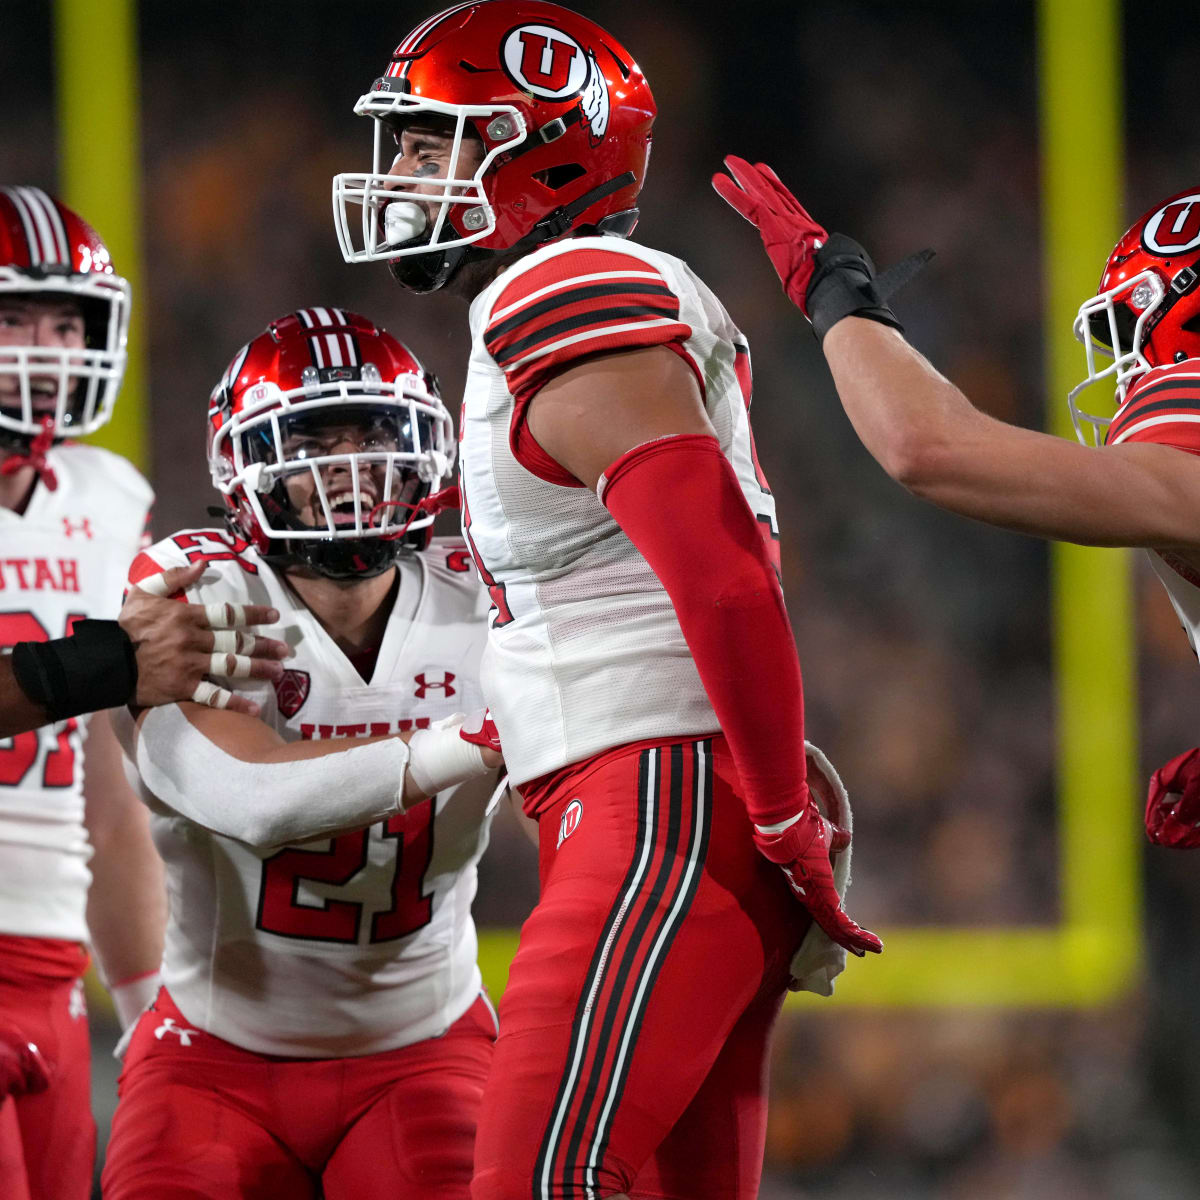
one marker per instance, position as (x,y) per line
(83,527)
(77,1002)
(169,1026)
(424,685)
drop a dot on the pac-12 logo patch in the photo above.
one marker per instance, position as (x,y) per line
(569,822)
(551,65)
(291,691)
(1175,228)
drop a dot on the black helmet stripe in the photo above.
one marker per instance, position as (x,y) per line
(352,349)
(309,318)
(330,349)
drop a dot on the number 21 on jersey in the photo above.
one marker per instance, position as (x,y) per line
(400,906)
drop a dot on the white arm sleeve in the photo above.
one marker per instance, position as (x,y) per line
(268,804)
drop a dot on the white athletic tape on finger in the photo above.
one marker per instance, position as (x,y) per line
(210,694)
(225,641)
(156,585)
(225,616)
(219,664)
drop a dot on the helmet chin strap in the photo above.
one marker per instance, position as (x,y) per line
(439,501)
(424,273)
(35,457)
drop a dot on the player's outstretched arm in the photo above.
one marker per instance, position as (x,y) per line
(632,427)
(929,437)
(235,775)
(924,431)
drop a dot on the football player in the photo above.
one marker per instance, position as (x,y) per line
(640,662)
(321,1008)
(76,860)
(1127,484)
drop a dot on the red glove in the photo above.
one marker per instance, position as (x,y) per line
(790,235)
(23,1070)
(480,730)
(1173,803)
(802,852)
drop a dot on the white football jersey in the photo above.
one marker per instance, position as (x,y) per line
(1182,582)
(363,942)
(64,558)
(585,651)
(1163,407)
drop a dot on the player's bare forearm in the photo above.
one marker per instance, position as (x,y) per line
(928,437)
(18,714)
(127,900)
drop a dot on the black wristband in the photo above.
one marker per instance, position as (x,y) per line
(94,668)
(844,284)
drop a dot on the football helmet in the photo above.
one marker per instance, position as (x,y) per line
(324,435)
(49,252)
(1146,312)
(559,109)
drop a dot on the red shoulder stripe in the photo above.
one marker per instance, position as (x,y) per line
(567,268)
(1156,405)
(576,305)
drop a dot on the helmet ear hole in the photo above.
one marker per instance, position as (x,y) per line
(1099,327)
(558,177)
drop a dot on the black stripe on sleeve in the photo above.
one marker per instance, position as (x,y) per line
(597,317)
(1138,410)
(574,296)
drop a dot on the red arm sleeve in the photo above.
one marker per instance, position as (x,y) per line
(707,552)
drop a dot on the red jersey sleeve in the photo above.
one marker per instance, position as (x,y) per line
(1163,407)
(567,309)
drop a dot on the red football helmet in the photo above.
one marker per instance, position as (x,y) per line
(563,114)
(324,434)
(1146,312)
(48,252)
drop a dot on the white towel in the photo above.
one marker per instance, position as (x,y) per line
(820,959)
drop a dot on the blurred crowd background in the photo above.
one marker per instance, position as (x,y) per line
(923,637)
